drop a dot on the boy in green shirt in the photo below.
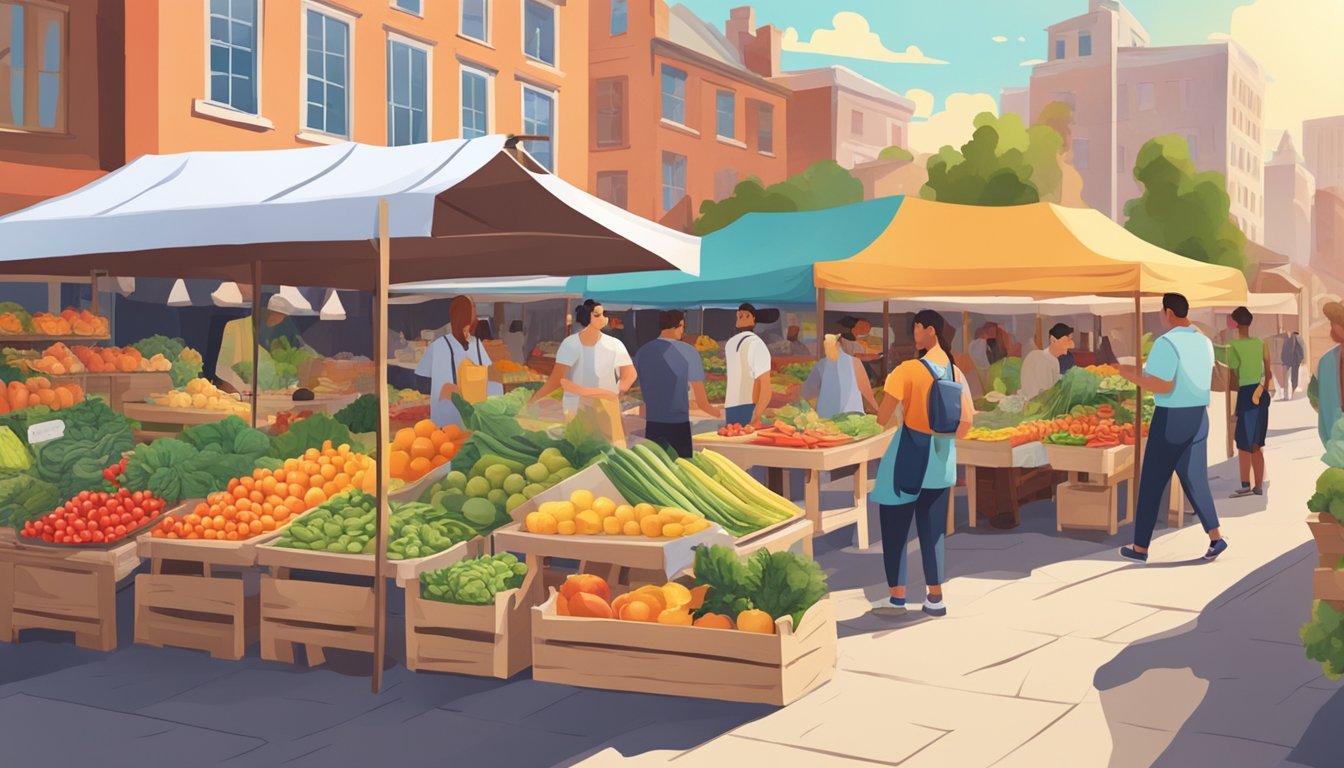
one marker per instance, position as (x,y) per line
(1247,358)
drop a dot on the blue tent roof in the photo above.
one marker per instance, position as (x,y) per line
(764,258)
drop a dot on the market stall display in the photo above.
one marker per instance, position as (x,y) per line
(760,631)
(415,451)
(66,589)
(583,514)
(17,325)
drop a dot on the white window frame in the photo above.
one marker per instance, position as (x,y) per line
(394,37)
(554,96)
(685,95)
(489,75)
(718,92)
(396,5)
(555,42)
(462,22)
(1084,34)
(611,19)
(259,32)
(349,20)
(662,178)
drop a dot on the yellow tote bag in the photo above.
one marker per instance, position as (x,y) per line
(472,377)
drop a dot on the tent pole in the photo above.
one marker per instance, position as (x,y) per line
(256,337)
(1133,499)
(569,313)
(886,337)
(1096,338)
(93,294)
(965,334)
(1039,338)
(380,383)
(821,323)
(702,321)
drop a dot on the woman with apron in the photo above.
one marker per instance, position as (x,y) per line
(920,466)
(455,364)
(838,383)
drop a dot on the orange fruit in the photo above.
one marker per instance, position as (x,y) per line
(423,447)
(590,605)
(438,438)
(313,497)
(754,620)
(403,440)
(418,467)
(714,621)
(328,471)
(586,582)
(438,461)
(448,450)
(425,428)
(638,610)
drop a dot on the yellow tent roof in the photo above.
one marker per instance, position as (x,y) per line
(1040,250)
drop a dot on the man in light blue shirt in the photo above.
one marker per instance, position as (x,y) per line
(1179,373)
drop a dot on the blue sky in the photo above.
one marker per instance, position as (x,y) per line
(961,32)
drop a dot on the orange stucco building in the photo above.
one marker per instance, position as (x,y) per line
(111,80)
(680,112)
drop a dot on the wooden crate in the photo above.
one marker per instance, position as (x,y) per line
(1329,536)
(68,591)
(362,565)
(482,640)
(725,665)
(1327,584)
(199,594)
(1087,506)
(1091,461)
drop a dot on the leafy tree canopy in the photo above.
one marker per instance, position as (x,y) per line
(824,184)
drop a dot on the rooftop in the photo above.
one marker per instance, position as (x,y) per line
(690,31)
(1286,154)
(843,77)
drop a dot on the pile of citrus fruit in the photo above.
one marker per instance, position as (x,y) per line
(586,515)
(416,450)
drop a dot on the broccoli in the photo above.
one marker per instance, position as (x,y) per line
(1331,482)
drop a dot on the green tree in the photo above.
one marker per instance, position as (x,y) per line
(824,184)
(895,153)
(1181,209)
(1005,162)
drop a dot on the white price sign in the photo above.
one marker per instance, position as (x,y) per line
(46,431)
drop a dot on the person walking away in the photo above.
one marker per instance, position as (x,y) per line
(919,468)
(1179,373)
(516,342)
(667,366)
(594,369)
(1248,359)
(1330,375)
(747,359)
(796,347)
(456,363)
(1293,355)
(838,383)
(1041,367)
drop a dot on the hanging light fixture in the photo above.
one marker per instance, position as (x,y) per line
(332,309)
(290,302)
(179,297)
(228,295)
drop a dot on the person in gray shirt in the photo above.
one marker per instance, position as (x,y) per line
(668,369)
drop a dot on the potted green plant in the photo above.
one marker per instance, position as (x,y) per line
(1323,635)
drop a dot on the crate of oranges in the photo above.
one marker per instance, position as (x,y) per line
(421,454)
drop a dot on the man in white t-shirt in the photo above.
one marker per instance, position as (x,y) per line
(1040,368)
(748,364)
(594,370)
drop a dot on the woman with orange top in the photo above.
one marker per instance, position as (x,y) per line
(448,356)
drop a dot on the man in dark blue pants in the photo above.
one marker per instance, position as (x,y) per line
(1179,373)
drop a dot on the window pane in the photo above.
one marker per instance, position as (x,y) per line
(726,114)
(219,59)
(243,10)
(328,74)
(765,137)
(233,52)
(674,179)
(620,17)
(538,111)
(474,18)
(219,88)
(674,94)
(409,5)
(419,80)
(1084,44)
(539,31)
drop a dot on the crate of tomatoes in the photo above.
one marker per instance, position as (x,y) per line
(96,519)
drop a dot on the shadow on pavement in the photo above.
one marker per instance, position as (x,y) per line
(1235,688)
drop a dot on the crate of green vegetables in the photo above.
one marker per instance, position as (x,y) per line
(473,617)
(337,537)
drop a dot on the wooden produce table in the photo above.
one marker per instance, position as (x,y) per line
(161,421)
(269,405)
(1091,498)
(65,589)
(299,611)
(119,389)
(999,454)
(199,594)
(813,462)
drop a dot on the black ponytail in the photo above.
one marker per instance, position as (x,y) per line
(930,319)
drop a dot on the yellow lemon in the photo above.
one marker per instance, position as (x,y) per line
(611,526)
(587,523)
(677,596)
(673,530)
(625,513)
(604,506)
(630,528)
(565,528)
(581,499)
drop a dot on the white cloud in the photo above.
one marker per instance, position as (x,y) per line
(1032,62)
(1296,42)
(1021,38)
(853,38)
(923,101)
(951,126)
(999,39)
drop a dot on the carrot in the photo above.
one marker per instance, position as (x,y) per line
(790,441)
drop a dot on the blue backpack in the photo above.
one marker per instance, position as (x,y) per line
(944,401)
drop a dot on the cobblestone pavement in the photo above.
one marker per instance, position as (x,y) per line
(1054,652)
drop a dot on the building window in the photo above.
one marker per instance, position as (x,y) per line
(725,181)
(407,94)
(1146,97)
(765,130)
(476,19)
(1059,48)
(674,179)
(327,75)
(32,71)
(1080,154)
(539,31)
(1084,43)
(725,114)
(410,6)
(610,100)
(539,120)
(1122,102)
(614,186)
(475,103)
(620,17)
(674,95)
(856,122)
(233,54)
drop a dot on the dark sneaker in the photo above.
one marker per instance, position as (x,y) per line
(1216,548)
(1258,491)
(1134,554)
(1243,492)
(935,608)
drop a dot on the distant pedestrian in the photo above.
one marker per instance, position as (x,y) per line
(1293,355)
(747,360)
(1179,373)
(669,369)
(838,383)
(1248,360)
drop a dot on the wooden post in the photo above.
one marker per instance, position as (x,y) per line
(821,323)
(966,333)
(93,295)
(382,432)
(1039,338)
(569,314)
(702,322)
(1229,397)
(256,336)
(1096,338)
(499,320)
(1138,407)
(886,337)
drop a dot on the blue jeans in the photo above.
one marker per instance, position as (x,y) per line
(1178,442)
(739,414)
(928,511)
